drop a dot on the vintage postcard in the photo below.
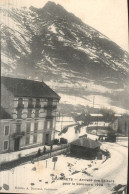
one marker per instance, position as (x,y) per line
(64,117)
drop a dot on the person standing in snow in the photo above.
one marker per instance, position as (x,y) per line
(39,152)
(51,149)
(44,149)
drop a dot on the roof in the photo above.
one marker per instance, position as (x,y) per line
(28,88)
(117,115)
(4,114)
(86,142)
(98,127)
(94,124)
(96,115)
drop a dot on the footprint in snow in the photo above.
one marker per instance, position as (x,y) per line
(52,175)
(34,169)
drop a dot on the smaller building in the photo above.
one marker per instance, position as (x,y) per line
(98,128)
(114,125)
(96,117)
(123,124)
(85,147)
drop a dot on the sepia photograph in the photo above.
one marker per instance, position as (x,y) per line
(64,116)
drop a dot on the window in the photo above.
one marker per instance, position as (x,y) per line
(51,125)
(18,128)
(28,127)
(35,126)
(20,103)
(50,101)
(6,145)
(38,103)
(27,140)
(49,112)
(125,125)
(48,124)
(115,125)
(19,113)
(37,113)
(30,103)
(29,113)
(35,138)
(6,130)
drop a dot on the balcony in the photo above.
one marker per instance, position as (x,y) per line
(49,117)
(18,134)
(20,106)
(37,106)
(50,107)
(30,106)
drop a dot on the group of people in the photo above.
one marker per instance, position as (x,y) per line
(44,150)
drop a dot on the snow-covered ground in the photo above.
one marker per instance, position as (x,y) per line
(37,175)
(70,174)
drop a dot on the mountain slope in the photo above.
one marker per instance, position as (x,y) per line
(73,58)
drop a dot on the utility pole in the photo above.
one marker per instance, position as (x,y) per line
(93,103)
(61,123)
(97,125)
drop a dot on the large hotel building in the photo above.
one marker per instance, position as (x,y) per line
(28,114)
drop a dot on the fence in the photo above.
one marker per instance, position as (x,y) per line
(35,157)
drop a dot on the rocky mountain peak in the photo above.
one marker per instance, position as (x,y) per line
(72,56)
(51,11)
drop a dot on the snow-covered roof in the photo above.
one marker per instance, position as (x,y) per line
(92,124)
(85,142)
(96,115)
(117,115)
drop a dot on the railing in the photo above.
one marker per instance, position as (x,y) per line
(30,106)
(50,106)
(18,134)
(20,106)
(38,106)
(49,117)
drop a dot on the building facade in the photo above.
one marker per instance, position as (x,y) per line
(28,114)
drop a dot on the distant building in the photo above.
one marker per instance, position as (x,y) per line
(96,117)
(63,121)
(28,114)
(102,128)
(84,147)
(98,126)
(123,124)
(114,125)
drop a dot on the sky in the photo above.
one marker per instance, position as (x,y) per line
(107,16)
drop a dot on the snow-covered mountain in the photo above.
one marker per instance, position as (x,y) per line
(76,60)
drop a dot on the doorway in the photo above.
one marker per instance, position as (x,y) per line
(16,144)
(47,139)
